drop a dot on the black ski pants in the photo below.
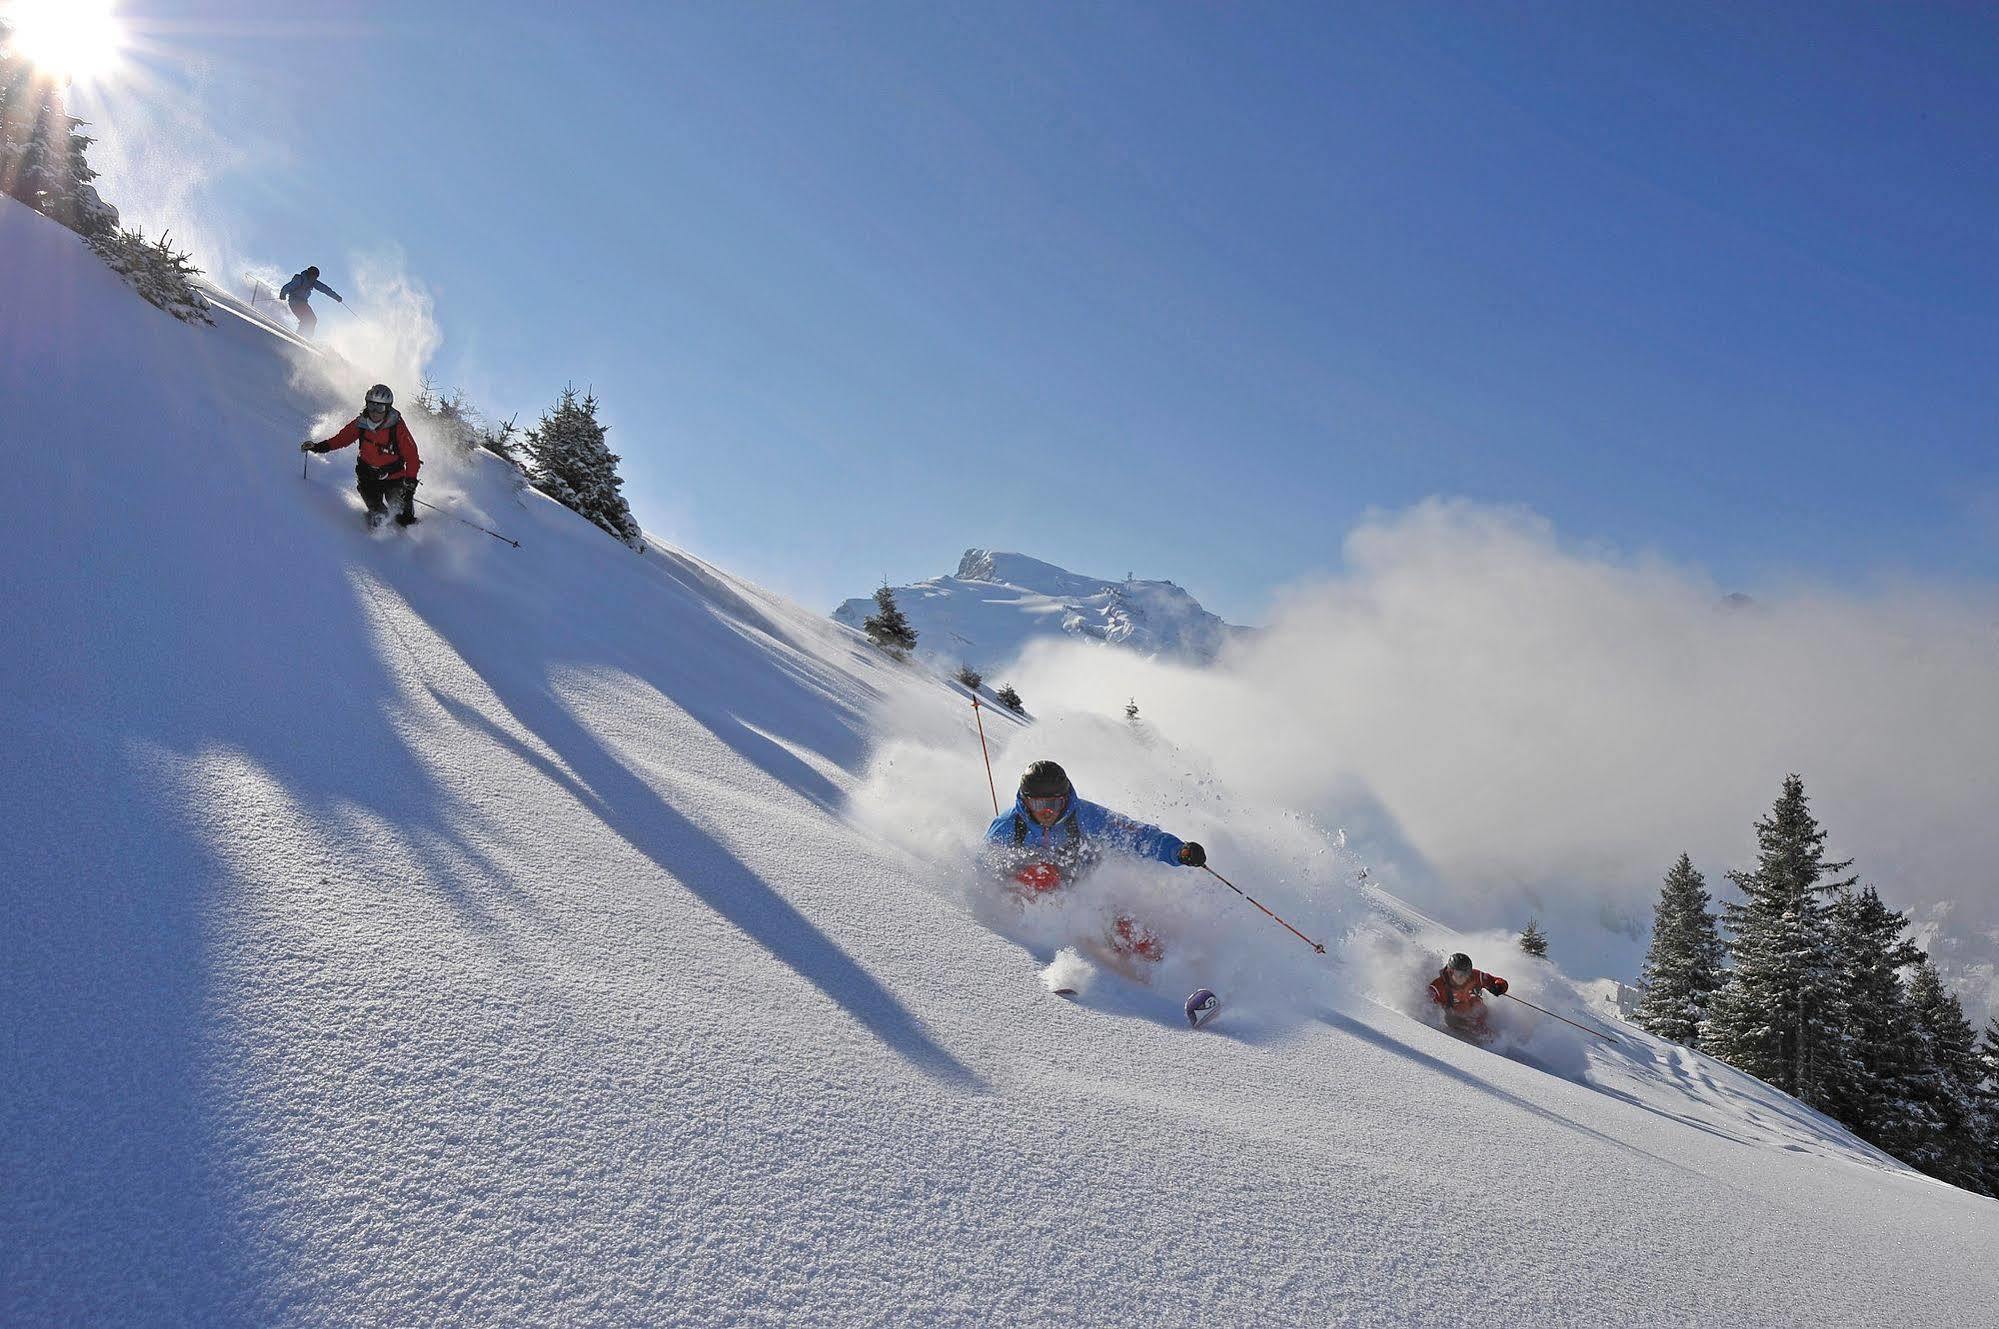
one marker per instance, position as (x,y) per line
(379,495)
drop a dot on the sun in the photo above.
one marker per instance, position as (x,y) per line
(72,40)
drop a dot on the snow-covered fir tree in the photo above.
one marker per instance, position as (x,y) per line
(1988,1101)
(1533,940)
(574,466)
(1009,698)
(1683,967)
(162,275)
(43,148)
(1131,710)
(1879,1098)
(1948,1086)
(1781,1011)
(969,676)
(887,628)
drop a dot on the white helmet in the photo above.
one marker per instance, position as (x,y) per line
(380,393)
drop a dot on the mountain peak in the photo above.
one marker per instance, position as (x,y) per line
(999,601)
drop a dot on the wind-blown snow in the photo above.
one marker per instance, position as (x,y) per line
(998,603)
(409,929)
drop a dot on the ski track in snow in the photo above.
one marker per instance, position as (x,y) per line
(421,931)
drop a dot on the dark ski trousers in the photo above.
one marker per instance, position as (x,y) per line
(307,320)
(379,494)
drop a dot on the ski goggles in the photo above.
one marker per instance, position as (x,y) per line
(1052,803)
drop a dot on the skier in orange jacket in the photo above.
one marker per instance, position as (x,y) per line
(388,462)
(1457,988)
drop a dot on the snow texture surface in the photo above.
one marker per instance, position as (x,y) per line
(407,929)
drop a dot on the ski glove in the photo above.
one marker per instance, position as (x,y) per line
(1497,987)
(310,446)
(1192,855)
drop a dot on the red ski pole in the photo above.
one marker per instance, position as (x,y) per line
(1245,895)
(991,788)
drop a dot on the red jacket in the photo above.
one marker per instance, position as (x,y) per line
(386,444)
(1464,1000)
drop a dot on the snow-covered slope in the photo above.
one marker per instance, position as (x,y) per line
(423,931)
(997,603)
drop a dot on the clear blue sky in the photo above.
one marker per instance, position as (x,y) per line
(1179,289)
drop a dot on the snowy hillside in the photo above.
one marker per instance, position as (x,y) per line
(997,603)
(411,929)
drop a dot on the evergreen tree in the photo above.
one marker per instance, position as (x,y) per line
(1131,710)
(887,628)
(43,149)
(969,676)
(162,275)
(1988,1100)
(1880,1098)
(1781,1011)
(1683,967)
(1956,1150)
(1009,698)
(1534,941)
(574,466)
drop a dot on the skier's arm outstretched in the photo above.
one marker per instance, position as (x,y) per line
(322,286)
(345,438)
(1138,838)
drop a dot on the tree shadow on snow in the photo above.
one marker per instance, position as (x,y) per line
(695,859)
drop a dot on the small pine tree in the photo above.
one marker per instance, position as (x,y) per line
(1988,1099)
(1781,1012)
(1009,698)
(162,275)
(969,676)
(1533,940)
(887,628)
(1683,965)
(574,466)
(43,149)
(502,439)
(1948,1085)
(1879,1097)
(1131,710)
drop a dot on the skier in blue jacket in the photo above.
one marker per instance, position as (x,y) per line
(298,291)
(1051,837)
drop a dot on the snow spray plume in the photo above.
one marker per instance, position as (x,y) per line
(920,797)
(1507,724)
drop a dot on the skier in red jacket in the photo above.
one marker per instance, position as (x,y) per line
(1456,988)
(386,469)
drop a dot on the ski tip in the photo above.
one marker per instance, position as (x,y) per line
(1065,992)
(1201,1007)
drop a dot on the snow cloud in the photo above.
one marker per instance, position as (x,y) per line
(1506,723)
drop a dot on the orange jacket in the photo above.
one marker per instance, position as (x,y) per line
(386,444)
(1464,1000)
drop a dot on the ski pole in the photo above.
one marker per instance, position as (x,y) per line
(1598,1033)
(473,524)
(991,788)
(1245,895)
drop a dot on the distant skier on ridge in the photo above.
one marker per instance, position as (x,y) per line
(385,470)
(1456,988)
(1052,837)
(298,291)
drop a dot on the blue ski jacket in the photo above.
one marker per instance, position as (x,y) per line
(299,290)
(1077,839)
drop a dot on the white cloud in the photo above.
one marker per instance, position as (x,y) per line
(1507,724)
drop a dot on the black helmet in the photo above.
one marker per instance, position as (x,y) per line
(1044,779)
(1460,963)
(311,271)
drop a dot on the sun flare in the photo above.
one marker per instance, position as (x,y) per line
(72,40)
